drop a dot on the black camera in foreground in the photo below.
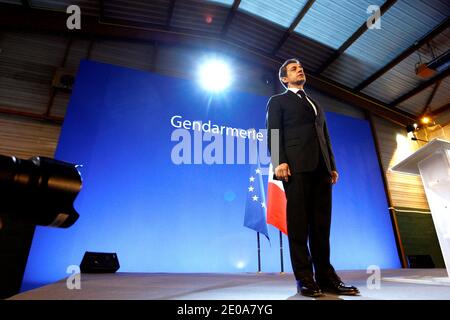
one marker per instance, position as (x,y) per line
(39,191)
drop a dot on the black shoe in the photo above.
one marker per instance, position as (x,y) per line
(331,283)
(309,288)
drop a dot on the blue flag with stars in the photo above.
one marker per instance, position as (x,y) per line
(255,206)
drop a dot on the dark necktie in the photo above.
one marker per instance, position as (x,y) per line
(302,94)
(305,102)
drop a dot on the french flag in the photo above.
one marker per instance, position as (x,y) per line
(276,203)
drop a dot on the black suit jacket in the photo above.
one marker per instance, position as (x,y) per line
(302,135)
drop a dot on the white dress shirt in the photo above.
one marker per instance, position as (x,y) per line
(296,90)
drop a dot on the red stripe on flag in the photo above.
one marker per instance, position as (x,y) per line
(276,207)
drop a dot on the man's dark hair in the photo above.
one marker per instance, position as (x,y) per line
(283,69)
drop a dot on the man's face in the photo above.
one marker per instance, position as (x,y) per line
(295,74)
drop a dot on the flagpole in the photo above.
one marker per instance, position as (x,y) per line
(259,253)
(281,253)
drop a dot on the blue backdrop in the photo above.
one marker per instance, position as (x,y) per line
(163,217)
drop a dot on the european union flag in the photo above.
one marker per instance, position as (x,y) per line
(255,207)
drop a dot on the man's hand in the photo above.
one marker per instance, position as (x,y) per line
(282,172)
(334,177)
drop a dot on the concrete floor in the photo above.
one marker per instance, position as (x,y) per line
(400,284)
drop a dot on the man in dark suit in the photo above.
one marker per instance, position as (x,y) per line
(303,159)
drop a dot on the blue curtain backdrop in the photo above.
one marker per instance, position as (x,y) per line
(162,217)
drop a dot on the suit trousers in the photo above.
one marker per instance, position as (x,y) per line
(309,220)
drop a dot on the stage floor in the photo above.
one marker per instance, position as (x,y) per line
(403,284)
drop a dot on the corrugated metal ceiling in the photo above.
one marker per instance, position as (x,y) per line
(12,2)
(416,105)
(90,7)
(403,24)
(196,15)
(333,22)
(252,32)
(27,66)
(261,24)
(226,2)
(311,53)
(441,97)
(402,78)
(141,11)
(279,12)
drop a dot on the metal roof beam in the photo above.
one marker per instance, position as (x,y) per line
(430,98)
(433,33)
(26,4)
(230,17)
(170,13)
(293,25)
(101,7)
(355,36)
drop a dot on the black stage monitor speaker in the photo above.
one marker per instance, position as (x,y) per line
(420,262)
(99,262)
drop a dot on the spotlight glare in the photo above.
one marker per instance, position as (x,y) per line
(425,120)
(215,75)
(240,264)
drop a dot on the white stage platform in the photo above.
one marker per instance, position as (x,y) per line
(399,284)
